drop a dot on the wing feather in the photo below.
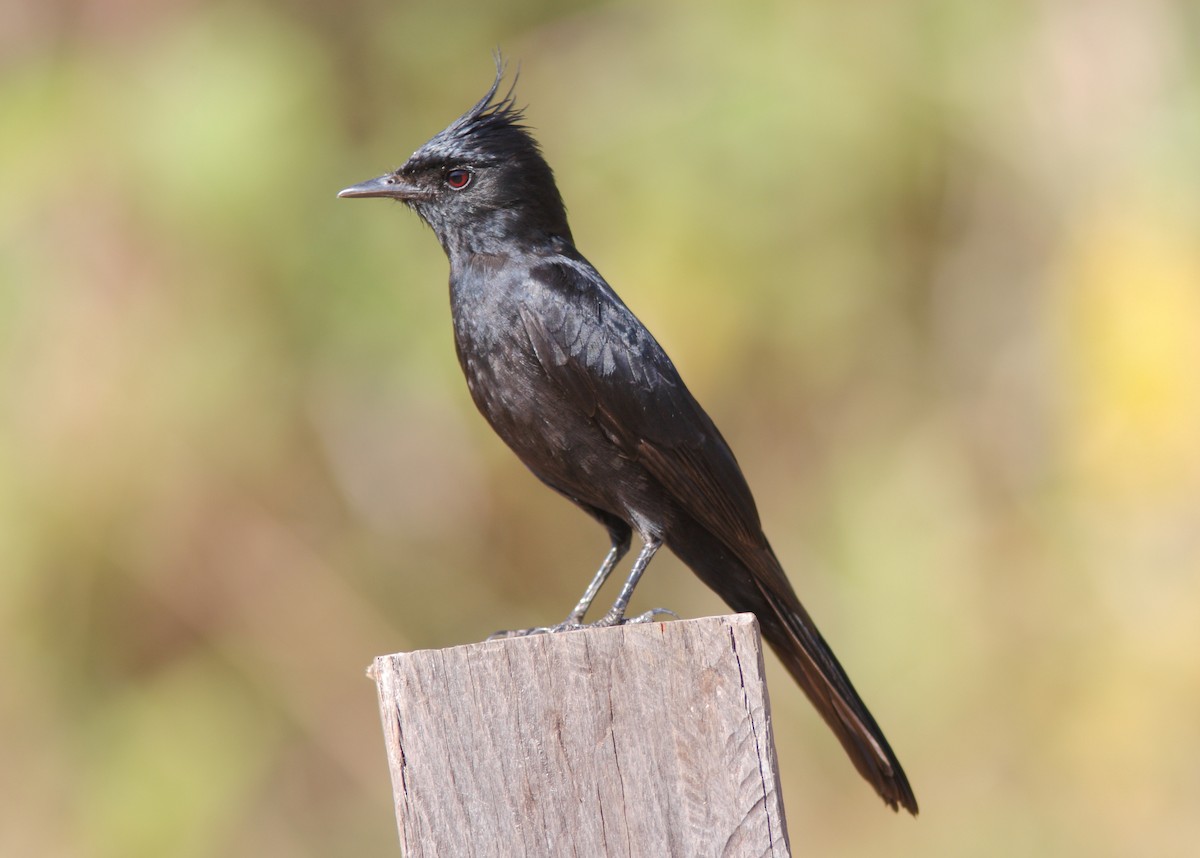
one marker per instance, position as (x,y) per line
(613,369)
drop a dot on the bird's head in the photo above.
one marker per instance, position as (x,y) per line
(479,183)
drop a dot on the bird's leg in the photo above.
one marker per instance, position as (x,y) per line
(616,614)
(575,618)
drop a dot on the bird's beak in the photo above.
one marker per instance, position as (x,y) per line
(388,185)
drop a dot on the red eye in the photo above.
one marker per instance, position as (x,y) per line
(458,179)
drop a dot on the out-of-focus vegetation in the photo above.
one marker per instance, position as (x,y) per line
(933,267)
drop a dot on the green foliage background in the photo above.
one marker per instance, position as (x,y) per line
(932,266)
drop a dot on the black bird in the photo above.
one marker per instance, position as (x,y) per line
(579,389)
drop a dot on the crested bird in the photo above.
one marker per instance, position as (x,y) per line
(579,389)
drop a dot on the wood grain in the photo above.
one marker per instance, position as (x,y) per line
(651,739)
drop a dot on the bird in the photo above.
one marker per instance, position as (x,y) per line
(573,382)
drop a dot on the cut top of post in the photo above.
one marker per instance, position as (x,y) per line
(651,739)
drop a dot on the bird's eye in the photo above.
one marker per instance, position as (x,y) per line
(456,180)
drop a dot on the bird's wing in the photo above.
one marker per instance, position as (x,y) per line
(609,366)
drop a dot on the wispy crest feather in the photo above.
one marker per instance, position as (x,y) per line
(512,180)
(492,130)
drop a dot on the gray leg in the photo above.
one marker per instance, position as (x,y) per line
(616,614)
(618,550)
(620,535)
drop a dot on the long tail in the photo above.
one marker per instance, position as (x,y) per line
(764,590)
(791,633)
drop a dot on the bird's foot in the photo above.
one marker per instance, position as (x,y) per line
(613,619)
(574,624)
(649,616)
(570,624)
(521,633)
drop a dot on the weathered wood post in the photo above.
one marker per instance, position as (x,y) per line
(651,739)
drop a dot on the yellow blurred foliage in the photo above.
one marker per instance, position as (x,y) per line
(1131,278)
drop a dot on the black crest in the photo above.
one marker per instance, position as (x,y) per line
(490,132)
(513,189)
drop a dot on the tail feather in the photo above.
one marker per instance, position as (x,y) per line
(762,588)
(791,633)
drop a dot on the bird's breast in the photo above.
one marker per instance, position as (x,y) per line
(507,383)
(553,435)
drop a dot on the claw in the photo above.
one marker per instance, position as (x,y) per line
(520,633)
(572,624)
(649,616)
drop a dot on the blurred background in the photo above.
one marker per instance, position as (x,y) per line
(933,267)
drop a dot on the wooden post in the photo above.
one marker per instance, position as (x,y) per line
(651,739)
